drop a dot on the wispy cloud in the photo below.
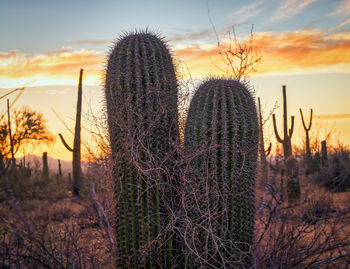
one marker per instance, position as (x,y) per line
(94,42)
(342,24)
(333,116)
(289,8)
(342,9)
(248,11)
(52,67)
(193,36)
(286,52)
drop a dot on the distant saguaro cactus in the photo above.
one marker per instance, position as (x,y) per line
(293,187)
(221,135)
(77,172)
(45,172)
(286,141)
(262,152)
(59,168)
(324,157)
(309,162)
(13,160)
(2,165)
(141,97)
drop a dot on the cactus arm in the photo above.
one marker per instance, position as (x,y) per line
(275,129)
(310,120)
(65,143)
(302,119)
(268,151)
(291,128)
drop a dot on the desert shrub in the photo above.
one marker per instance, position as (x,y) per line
(336,175)
(317,207)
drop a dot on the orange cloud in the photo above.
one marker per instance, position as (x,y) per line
(286,52)
(49,66)
(295,51)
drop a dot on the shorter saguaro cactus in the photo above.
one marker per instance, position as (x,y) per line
(221,138)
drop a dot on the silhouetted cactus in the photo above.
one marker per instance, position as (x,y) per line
(324,157)
(13,160)
(293,188)
(2,165)
(45,172)
(286,141)
(309,162)
(76,163)
(59,168)
(221,135)
(262,152)
(141,97)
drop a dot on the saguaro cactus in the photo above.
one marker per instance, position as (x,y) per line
(2,165)
(76,163)
(309,162)
(293,187)
(286,141)
(324,157)
(45,173)
(59,168)
(13,160)
(262,152)
(141,97)
(221,136)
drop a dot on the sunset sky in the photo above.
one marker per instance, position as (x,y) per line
(304,44)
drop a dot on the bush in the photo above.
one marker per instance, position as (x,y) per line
(336,176)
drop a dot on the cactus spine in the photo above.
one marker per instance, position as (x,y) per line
(262,152)
(222,134)
(141,97)
(77,172)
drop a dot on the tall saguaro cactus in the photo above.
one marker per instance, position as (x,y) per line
(221,136)
(262,152)
(141,97)
(286,141)
(76,163)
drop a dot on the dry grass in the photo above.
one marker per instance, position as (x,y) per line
(49,228)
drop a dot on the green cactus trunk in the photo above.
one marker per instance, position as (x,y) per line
(221,136)
(141,95)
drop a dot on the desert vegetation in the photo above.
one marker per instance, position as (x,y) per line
(174,185)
